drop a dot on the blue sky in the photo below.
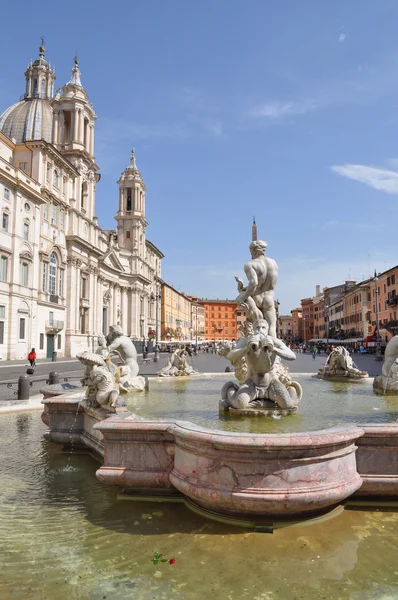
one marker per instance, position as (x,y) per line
(284,110)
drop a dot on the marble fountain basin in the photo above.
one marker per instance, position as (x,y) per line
(172,443)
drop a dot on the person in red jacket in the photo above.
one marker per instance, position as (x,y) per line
(32,357)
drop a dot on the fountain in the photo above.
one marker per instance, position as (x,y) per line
(251,476)
(339,366)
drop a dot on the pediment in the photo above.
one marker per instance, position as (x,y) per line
(111,259)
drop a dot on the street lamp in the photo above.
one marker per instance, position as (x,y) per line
(155,298)
(378,349)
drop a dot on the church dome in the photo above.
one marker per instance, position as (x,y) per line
(29,119)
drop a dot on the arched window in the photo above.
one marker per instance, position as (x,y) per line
(55,178)
(34,88)
(84,196)
(52,275)
(43,89)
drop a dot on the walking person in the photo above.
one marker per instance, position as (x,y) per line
(32,358)
(313,352)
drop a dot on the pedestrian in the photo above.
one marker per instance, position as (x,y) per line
(313,352)
(32,358)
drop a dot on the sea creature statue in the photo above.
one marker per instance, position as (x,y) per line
(121,345)
(268,383)
(339,366)
(177,365)
(102,389)
(387,382)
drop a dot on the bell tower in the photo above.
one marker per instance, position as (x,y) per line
(131,221)
(73,136)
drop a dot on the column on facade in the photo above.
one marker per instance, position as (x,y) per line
(123,308)
(77,294)
(92,303)
(91,140)
(115,303)
(55,128)
(135,319)
(99,305)
(81,126)
(61,127)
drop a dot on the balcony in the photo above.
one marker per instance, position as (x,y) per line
(54,299)
(393,301)
(54,326)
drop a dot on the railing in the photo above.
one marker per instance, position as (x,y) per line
(54,299)
(55,325)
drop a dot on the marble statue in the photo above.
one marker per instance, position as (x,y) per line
(387,382)
(102,388)
(177,365)
(339,366)
(268,383)
(102,349)
(121,345)
(257,298)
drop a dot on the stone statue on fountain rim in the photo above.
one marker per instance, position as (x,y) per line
(257,298)
(266,379)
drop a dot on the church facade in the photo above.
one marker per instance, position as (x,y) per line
(63,279)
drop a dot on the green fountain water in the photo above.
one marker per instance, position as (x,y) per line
(324,404)
(64,535)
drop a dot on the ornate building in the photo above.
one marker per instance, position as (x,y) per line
(63,279)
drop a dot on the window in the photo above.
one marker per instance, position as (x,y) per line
(3,268)
(61,219)
(4,222)
(128,202)
(24,274)
(127,234)
(44,278)
(45,212)
(392,279)
(23,166)
(6,194)
(59,341)
(52,275)
(26,231)
(42,341)
(48,172)
(22,328)
(55,178)
(2,311)
(84,287)
(1,332)
(51,316)
(54,215)
(27,206)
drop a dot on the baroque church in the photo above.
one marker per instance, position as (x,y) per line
(63,279)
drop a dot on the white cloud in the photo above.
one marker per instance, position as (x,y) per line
(384,180)
(342,37)
(278,109)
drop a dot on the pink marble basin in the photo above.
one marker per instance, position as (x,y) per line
(262,476)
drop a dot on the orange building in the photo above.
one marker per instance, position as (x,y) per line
(297,325)
(357,314)
(307,309)
(220,319)
(384,291)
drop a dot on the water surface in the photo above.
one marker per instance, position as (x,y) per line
(324,404)
(65,536)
